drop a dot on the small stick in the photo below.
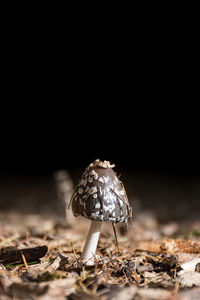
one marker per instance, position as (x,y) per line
(24,260)
(13,256)
(115,233)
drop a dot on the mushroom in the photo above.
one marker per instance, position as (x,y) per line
(100,196)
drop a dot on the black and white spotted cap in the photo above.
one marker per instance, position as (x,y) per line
(100,195)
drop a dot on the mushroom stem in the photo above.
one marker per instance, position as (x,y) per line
(90,247)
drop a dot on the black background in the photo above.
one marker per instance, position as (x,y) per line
(128,96)
(37,140)
(53,117)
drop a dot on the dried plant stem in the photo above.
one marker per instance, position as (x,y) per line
(116,240)
(24,260)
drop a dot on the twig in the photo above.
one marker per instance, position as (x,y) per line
(116,241)
(24,260)
(74,252)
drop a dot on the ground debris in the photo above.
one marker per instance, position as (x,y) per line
(189,279)
(59,289)
(186,246)
(134,292)
(190,266)
(55,263)
(13,256)
(26,291)
(189,294)
(144,268)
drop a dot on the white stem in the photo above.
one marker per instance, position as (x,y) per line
(90,247)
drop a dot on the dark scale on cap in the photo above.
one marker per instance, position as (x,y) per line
(100,195)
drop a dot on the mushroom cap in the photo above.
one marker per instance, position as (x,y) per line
(100,195)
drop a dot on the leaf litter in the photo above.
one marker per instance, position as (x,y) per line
(150,264)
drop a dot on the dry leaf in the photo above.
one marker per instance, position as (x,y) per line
(189,279)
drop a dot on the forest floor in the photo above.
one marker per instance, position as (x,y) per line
(155,261)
